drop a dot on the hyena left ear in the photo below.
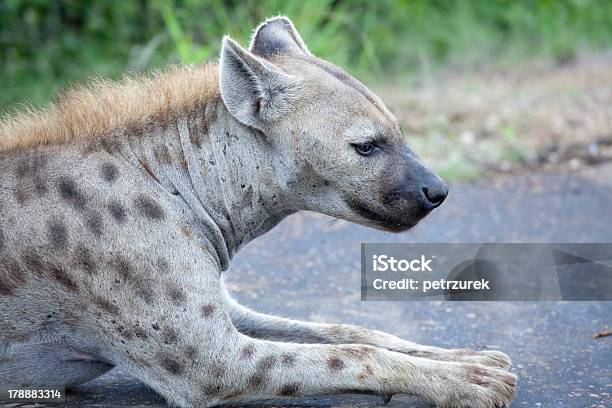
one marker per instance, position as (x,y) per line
(277,36)
(254,91)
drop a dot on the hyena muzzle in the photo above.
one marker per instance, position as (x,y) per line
(121,213)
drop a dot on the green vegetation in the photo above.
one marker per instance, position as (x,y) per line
(44,45)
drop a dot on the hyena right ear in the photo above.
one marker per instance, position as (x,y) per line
(277,36)
(254,91)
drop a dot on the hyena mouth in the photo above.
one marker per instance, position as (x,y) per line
(378,220)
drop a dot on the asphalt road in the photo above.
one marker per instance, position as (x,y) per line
(308,268)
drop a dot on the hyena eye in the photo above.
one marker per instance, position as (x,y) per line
(365,149)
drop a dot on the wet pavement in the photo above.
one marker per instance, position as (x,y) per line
(309,268)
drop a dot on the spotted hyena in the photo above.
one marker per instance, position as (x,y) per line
(122,205)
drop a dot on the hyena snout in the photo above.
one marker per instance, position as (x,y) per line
(421,188)
(435,193)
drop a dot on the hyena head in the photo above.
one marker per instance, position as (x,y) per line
(344,152)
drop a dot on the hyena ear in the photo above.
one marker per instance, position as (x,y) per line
(253,90)
(277,36)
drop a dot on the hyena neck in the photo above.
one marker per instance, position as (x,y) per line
(228,174)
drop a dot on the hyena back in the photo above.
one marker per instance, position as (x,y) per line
(122,206)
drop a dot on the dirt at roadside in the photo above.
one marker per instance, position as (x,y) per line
(538,115)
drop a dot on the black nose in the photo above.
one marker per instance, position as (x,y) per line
(435,194)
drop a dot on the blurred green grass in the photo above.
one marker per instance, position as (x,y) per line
(45,45)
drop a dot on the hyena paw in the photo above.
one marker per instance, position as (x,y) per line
(478,386)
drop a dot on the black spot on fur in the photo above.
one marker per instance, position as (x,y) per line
(31,180)
(106,306)
(335,364)
(256,380)
(40,187)
(211,389)
(26,167)
(170,364)
(207,310)
(58,234)
(288,359)
(109,172)
(64,279)
(11,276)
(247,352)
(290,390)
(145,291)
(70,192)
(262,368)
(176,294)
(155,326)
(266,364)
(118,212)
(123,267)
(140,333)
(111,144)
(149,208)
(128,335)
(21,194)
(191,353)
(94,223)
(169,335)
(125,333)
(84,259)
(32,261)
(217,370)
(92,147)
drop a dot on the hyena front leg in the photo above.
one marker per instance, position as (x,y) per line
(247,369)
(185,346)
(264,326)
(265,369)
